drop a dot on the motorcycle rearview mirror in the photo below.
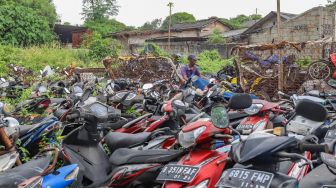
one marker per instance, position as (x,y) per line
(329,160)
(66,91)
(219,116)
(86,95)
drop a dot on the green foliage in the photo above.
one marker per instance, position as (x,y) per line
(105,26)
(99,9)
(36,58)
(100,47)
(22,26)
(24,153)
(305,62)
(180,17)
(211,62)
(153,49)
(43,8)
(155,24)
(237,21)
(216,37)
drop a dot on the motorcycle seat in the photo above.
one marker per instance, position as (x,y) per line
(125,156)
(13,177)
(115,140)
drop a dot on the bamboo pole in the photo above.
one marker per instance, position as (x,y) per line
(281,67)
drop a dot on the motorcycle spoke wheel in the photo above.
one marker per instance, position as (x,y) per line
(319,70)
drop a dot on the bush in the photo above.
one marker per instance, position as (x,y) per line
(21,26)
(305,62)
(99,47)
(216,37)
(154,49)
(211,62)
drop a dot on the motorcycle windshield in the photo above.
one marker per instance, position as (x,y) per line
(260,146)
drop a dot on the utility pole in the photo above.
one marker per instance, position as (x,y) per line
(281,67)
(333,33)
(170,5)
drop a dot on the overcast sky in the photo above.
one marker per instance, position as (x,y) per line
(137,12)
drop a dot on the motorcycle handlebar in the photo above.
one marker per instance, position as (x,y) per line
(314,147)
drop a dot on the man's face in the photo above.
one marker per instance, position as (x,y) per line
(192,62)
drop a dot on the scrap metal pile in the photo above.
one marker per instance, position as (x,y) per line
(137,127)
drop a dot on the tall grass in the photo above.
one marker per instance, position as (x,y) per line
(37,57)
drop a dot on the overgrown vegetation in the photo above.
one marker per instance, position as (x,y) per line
(99,47)
(37,57)
(216,37)
(209,61)
(23,26)
(153,49)
(179,17)
(238,21)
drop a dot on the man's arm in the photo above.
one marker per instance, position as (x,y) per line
(184,73)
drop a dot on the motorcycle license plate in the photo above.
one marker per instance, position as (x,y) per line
(245,178)
(178,173)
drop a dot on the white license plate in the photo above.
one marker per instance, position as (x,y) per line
(178,173)
(245,178)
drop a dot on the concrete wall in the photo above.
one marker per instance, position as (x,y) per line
(186,48)
(311,25)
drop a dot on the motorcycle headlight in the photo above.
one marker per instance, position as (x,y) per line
(187,139)
(253,109)
(72,175)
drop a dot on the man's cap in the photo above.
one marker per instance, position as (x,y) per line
(192,57)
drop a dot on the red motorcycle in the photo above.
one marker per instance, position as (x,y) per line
(262,115)
(323,69)
(209,141)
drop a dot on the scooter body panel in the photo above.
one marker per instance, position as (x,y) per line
(133,175)
(211,163)
(61,178)
(94,167)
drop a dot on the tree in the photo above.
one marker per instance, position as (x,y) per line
(331,4)
(180,17)
(99,9)
(44,8)
(22,26)
(105,26)
(216,37)
(155,24)
(237,21)
(100,47)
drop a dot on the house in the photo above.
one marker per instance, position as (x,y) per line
(257,32)
(311,25)
(71,36)
(181,34)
